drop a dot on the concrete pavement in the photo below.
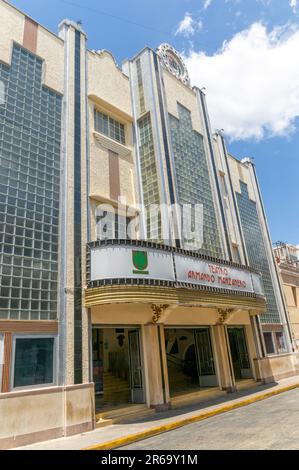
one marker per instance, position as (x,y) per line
(117,435)
(271,424)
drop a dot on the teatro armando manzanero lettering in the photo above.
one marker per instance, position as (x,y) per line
(211,278)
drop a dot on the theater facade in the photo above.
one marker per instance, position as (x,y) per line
(102,307)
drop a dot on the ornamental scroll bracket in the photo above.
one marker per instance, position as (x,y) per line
(224,314)
(158,311)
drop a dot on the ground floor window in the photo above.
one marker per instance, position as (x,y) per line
(33,361)
(268,338)
(239,352)
(280,342)
(275,342)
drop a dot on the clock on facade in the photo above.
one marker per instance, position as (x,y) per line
(173,62)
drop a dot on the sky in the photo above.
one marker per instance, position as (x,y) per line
(244,52)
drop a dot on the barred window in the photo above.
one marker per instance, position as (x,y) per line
(108,126)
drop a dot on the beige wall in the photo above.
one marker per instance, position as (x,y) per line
(107,81)
(32,416)
(12,26)
(50,47)
(138,314)
(177,92)
(275,368)
(109,92)
(240,172)
(292,299)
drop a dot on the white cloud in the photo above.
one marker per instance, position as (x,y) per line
(252,82)
(293,5)
(188,26)
(206,4)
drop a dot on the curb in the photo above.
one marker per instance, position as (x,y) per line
(115,443)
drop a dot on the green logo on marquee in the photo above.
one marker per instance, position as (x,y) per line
(140,261)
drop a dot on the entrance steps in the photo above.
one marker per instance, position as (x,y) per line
(116,390)
(117,415)
(179,382)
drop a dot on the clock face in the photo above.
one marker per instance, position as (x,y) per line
(172,61)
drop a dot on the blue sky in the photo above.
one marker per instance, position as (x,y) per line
(245,52)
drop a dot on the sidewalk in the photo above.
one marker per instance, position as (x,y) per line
(116,435)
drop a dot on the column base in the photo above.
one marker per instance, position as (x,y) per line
(232,389)
(162,407)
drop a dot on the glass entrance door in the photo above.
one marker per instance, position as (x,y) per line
(135,367)
(117,367)
(190,359)
(205,358)
(239,353)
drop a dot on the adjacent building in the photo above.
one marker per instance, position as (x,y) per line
(100,303)
(287,258)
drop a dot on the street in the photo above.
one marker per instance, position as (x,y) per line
(271,424)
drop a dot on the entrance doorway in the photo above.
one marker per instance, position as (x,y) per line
(190,359)
(239,353)
(117,366)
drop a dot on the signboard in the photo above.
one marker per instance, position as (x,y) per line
(196,271)
(116,262)
(113,262)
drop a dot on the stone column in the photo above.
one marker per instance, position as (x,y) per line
(252,351)
(226,379)
(157,387)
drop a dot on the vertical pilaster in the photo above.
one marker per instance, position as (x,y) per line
(226,378)
(164,364)
(158,398)
(252,350)
(73,328)
(6,362)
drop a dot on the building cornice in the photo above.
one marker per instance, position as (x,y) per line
(150,294)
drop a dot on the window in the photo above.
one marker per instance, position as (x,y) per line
(1,357)
(29,185)
(33,361)
(275,342)
(149,176)
(193,177)
(108,126)
(269,343)
(280,342)
(140,87)
(256,250)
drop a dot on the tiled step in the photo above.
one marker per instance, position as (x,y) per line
(125,413)
(102,423)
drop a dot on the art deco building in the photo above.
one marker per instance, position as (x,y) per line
(91,318)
